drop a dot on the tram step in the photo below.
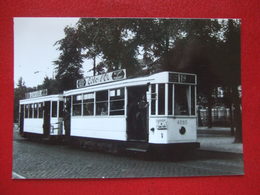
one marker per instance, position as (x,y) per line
(136,149)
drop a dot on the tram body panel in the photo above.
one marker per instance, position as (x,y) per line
(37,115)
(33,125)
(167,130)
(113,128)
(156,110)
(182,130)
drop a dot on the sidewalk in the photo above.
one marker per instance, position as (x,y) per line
(218,139)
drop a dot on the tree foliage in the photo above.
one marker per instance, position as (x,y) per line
(19,93)
(209,48)
(69,64)
(50,84)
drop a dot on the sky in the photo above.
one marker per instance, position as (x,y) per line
(34,50)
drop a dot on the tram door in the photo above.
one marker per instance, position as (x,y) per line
(21,119)
(137,114)
(46,118)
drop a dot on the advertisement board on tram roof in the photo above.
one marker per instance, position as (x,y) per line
(103,78)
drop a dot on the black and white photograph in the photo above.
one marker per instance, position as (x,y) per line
(127,98)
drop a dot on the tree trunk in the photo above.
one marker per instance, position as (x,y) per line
(237,116)
(209,111)
(232,129)
(199,118)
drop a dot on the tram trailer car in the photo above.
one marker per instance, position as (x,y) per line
(152,113)
(41,117)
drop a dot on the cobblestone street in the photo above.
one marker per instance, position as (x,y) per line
(33,159)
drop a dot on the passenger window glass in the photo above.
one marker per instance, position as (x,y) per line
(31,111)
(40,110)
(26,111)
(77,105)
(161,99)
(88,104)
(61,104)
(181,104)
(35,108)
(170,98)
(102,103)
(153,96)
(54,109)
(117,101)
(193,103)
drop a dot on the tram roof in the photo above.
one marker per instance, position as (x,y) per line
(42,99)
(161,77)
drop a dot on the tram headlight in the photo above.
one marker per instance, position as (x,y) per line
(182,130)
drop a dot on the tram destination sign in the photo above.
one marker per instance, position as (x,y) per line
(182,78)
(103,78)
(35,94)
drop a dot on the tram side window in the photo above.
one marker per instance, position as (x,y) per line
(117,97)
(153,98)
(35,111)
(88,104)
(77,105)
(40,110)
(181,103)
(26,115)
(161,99)
(170,98)
(54,109)
(61,106)
(30,110)
(102,102)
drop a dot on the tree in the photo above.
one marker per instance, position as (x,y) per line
(19,93)
(208,48)
(51,85)
(113,39)
(69,64)
(211,49)
(231,70)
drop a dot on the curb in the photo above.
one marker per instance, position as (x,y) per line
(220,151)
(214,132)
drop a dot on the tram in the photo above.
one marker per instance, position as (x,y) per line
(40,115)
(152,112)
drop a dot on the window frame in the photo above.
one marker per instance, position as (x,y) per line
(154,100)
(40,110)
(122,99)
(87,103)
(52,109)
(99,102)
(76,104)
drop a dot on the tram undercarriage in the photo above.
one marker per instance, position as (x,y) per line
(146,150)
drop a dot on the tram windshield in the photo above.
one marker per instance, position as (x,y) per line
(181,103)
(184,100)
(180,99)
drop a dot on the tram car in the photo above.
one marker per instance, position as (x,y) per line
(155,112)
(150,113)
(40,115)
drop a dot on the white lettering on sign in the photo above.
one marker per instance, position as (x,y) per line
(161,124)
(182,122)
(35,94)
(103,78)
